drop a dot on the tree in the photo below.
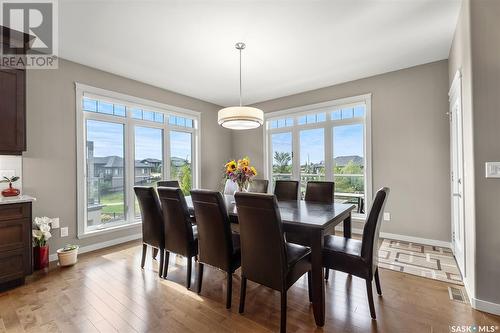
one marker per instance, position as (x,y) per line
(349,184)
(185,178)
(281,160)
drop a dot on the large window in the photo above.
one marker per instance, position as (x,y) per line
(124,141)
(327,141)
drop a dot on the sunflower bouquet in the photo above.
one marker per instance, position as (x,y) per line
(240,172)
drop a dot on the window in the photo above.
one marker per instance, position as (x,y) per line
(124,141)
(331,143)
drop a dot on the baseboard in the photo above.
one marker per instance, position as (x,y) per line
(485,306)
(404,238)
(102,245)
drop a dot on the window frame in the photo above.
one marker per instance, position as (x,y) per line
(329,107)
(130,123)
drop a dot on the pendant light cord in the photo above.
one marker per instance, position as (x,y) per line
(240,77)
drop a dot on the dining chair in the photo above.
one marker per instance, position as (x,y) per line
(320,191)
(181,237)
(266,257)
(217,245)
(359,258)
(258,186)
(152,222)
(286,189)
(168,183)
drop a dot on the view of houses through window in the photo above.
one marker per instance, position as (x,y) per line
(326,145)
(127,146)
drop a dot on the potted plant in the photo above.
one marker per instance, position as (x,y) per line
(68,255)
(241,173)
(41,234)
(10,191)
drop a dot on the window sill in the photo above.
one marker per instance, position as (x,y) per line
(109,230)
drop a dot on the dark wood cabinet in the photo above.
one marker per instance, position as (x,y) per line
(15,244)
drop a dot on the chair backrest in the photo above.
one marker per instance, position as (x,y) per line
(319,191)
(178,228)
(258,186)
(152,216)
(168,183)
(286,189)
(371,231)
(215,244)
(263,248)
(230,187)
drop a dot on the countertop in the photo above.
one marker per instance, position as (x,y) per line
(18,199)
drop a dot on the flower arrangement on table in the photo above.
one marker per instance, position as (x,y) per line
(240,172)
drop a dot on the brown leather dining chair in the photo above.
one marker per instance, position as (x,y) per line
(152,222)
(320,191)
(217,245)
(286,189)
(181,237)
(359,258)
(258,186)
(266,257)
(168,183)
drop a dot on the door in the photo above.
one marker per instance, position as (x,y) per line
(457,198)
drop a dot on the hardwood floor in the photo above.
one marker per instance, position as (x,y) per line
(107,291)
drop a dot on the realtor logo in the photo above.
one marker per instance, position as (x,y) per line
(30,39)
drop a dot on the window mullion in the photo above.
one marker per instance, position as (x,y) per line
(328,153)
(130,171)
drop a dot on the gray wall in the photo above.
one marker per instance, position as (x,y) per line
(49,165)
(410,143)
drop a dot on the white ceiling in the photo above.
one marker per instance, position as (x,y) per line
(187,46)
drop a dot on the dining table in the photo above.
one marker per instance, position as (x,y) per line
(306,222)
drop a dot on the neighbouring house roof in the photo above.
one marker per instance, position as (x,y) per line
(177,161)
(151,161)
(344,160)
(116,162)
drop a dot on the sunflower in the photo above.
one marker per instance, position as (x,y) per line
(244,162)
(254,171)
(245,169)
(230,166)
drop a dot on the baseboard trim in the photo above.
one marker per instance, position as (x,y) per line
(102,245)
(485,306)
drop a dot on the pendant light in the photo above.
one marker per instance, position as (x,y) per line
(240,117)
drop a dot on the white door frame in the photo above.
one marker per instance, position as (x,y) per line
(457,172)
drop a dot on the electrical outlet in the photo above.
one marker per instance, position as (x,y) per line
(64,232)
(55,223)
(387,216)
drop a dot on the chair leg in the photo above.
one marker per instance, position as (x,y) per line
(162,262)
(369,291)
(243,292)
(327,273)
(165,264)
(200,276)
(309,286)
(377,283)
(229,291)
(144,250)
(155,252)
(283,312)
(188,275)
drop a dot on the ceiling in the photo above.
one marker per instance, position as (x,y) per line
(187,46)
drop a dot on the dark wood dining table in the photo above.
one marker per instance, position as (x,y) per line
(311,221)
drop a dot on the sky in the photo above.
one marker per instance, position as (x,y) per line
(108,141)
(348,140)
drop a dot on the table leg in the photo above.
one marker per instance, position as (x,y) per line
(318,286)
(347,226)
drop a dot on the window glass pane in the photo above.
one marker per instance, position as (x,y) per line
(281,123)
(347,113)
(105,174)
(289,122)
(159,117)
(311,118)
(119,110)
(181,121)
(337,115)
(148,115)
(89,105)
(348,164)
(189,123)
(312,156)
(273,124)
(105,107)
(148,167)
(181,159)
(321,117)
(282,156)
(359,111)
(137,113)
(302,120)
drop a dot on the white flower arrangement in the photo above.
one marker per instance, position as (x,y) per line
(41,230)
